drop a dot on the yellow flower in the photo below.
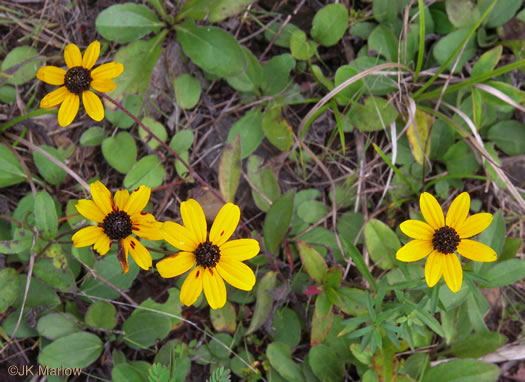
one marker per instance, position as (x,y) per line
(217,258)
(441,239)
(76,81)
(117,219)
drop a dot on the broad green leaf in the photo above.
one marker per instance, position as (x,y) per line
(156,128)
(12,172)
(217,349)
(224,319)
(74,350)
(277,221)
(311,211)
(144,328)
(172,305)
(148,171)
(264,300)
(211,48)
(352,301)
(55,274)
(230,170)
(505,273)
(101,314)
(320,77)
(462,13)
(49,170)
(46,218)
(276,74)
(383,42)
(476,345)
(342,74)
(418,134)
(251,78)
(280,358)
(487,61)
(376,114)
(129,372)
(249,128)
(277,129)
(322,319)
(223,9)
(56,325)
(349,224)
(510,248)
(19,75)
(132,103)
(187,91)
(329,24)
(312,261)
(362,30)
(39,293)
(509,136)
(18,244)
(196,9)
(264,180)
(127,22)
(352,251)
(326,364)
(284,37)
(382,243)
(9,288)
(501,13)
(7,94)
(465,370)
(460,159)
(375,85)
(386,11)
(494,235)
(182,141)
(448,44)
(287,327)
(120,151)
(301,48)
(92,136)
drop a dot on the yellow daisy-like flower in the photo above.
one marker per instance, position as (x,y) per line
(118,219)
(216,258)
(440,239)
(77,81)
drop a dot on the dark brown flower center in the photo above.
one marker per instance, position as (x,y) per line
(117,225)
(445,240)
(207,255)
(77,79)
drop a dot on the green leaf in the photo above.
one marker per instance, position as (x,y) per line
(19,75)
(311,211)
(74,350)
(264,181)
(510,248)
(349,224)
(7,94)
(132,103)
(448,44)
(264,300)
(342,74)
(465,370)
(187,91)
(301,48)
(217,349)
(494,235)
(284,37)
(287,327)
(49,170)
(509,136)
(352,301)
(430,321)
(101,314)
(56,274)
(249,128)
(230,170)
(383,42)
(476,345)
(9,288)
(505,273)
(156,128)
(326,364)
(92,137)
(56,325)
(12,172)
(329,24)
(460,159)
(418,134)
(382,243)
(144,328)
(462,13)
(487,62)
(500,14)
(277,129)
(251,78)
(360,264)
(375,114)
(172,305)
(224,319)
(120,151)
(385,11)
(19,244)
(313,262)
(182,141)
(211,48)
(276,74)
(280,358)
(46,218)
(39,293)
(148,171)
(223,9)
(127,22)
(277,221)
(322,319)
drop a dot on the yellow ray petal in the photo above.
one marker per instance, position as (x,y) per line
(178,236)
(139,253)
(145,225)
(431,210)
(194,219)
(474,225)
(52,75)
(176,264)
(225,224)
(103,86)
(54,98)
(91,55)
(121,198)
(102,197)
(102,245)
(137,200)
(192,286)
(72,56)
(476,251)
(434,268)
(107,71)
(89,210)
(93,105)
(68,110)
(122,255)
(214,288)
(87,236)
(452,272)
(240,249)
(235,273)
(414,250)
(458,210)
(417,229)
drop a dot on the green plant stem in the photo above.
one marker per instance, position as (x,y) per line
(421,51)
